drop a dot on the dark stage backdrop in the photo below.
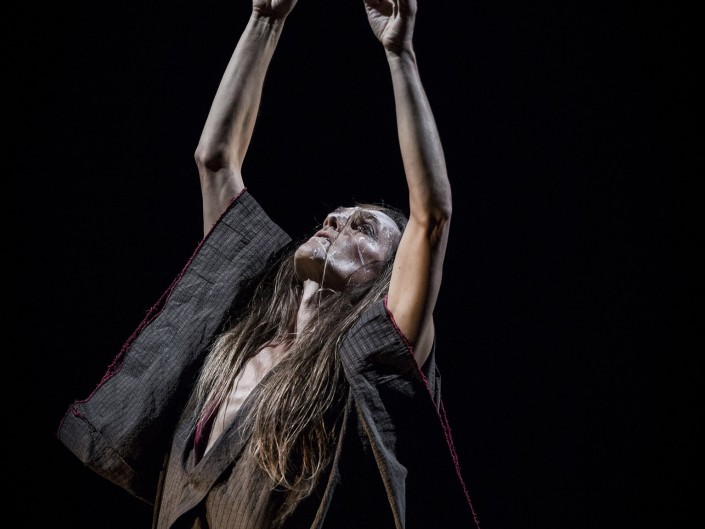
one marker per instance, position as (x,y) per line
(553,323)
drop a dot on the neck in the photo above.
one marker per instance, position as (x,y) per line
(309,303)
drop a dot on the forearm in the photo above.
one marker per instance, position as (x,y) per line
(419,141)
(231,120)
(228,129)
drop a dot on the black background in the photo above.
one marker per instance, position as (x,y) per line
(568,398)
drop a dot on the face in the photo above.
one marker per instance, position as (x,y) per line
(344,251)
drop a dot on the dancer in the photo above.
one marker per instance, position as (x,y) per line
(291,385)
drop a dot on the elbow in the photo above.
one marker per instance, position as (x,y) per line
(434,222)
(444,204)
(431,204)
(434,212)
(209,160)
(439,223)
(443,211)
(439,216)
(220,179)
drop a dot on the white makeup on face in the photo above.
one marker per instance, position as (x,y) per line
(347,246)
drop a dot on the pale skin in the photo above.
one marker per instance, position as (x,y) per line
(417,270)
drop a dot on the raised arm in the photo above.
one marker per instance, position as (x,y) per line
(416,277)
(231,120)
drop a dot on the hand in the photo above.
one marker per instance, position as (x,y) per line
(273,8)
(392,22)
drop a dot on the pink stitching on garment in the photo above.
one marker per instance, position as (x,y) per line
(441,415)
(152,313)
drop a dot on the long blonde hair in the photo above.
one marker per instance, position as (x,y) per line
(293,422)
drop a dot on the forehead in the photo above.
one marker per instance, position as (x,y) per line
(382,218)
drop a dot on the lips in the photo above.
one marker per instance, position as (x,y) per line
(325,235)
(322,242)
(322,234)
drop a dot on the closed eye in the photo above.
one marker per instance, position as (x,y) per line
(365,228)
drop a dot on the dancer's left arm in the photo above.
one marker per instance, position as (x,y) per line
(416,277)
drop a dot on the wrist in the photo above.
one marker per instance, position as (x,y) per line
(270,21)
(401,54)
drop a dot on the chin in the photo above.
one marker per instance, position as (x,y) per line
(309,263)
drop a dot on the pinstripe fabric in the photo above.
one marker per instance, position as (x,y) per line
(124,428)
(394,465)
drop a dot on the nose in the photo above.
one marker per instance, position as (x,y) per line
(335,221)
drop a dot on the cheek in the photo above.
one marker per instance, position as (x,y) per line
(389,240)
(348,254)
(371,251)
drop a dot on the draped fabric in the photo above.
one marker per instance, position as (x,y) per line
(394,467)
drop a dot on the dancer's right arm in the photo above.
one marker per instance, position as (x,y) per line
(231,119)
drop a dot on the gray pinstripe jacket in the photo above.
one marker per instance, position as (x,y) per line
(395,423)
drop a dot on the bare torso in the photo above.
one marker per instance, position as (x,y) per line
(252,373)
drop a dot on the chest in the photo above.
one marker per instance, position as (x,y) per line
(249,377)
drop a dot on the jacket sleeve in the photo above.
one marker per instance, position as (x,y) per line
(123,428)
(403,424)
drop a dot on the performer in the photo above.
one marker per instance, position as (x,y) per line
(291,385)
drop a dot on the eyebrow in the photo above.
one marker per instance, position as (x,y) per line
(366,215)
(358,212)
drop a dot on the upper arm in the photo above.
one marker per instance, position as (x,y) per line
(416,280)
